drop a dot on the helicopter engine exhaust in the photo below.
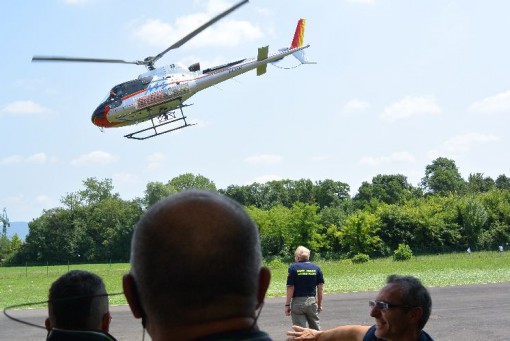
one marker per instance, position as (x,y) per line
(194,67)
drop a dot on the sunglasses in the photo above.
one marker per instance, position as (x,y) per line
(381,305)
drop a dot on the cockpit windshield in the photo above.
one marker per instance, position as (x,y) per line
(116,92)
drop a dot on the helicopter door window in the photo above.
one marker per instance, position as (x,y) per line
(116,93)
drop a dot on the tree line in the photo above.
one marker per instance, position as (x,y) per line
(442,213)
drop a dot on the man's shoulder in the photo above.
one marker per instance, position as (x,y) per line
(370,335)
(425,337)
(78,335)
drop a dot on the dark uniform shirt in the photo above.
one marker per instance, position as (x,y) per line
(370,336)
(304,276)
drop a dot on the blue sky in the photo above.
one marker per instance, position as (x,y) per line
(398,83)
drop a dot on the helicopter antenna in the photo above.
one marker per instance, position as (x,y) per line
(148,61)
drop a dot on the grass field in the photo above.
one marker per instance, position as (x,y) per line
(20,285)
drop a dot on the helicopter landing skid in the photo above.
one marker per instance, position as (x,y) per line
(161,121)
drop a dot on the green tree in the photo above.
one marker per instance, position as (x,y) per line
(94,225)
(9,248)
(474,216)
(497,228)
(109,229)
(191,181)
(442,177)
(398,225)
(96,190)
(331,193)
(332,218)
(477,183)
(303,191)
(274,229)
(155,191)
(53,237)
(360,234)
(304,227)
(427,224)
(237,193)
(5,246)
(502,182)
(389,189)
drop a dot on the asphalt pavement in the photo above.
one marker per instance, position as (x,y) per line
(467,313)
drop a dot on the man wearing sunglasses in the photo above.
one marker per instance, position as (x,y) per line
(401,310)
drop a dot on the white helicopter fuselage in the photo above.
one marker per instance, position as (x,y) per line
(166,88)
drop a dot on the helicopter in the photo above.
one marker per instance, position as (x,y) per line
(157,94)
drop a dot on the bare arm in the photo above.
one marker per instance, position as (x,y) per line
(290,293)
(342,333)
(320,289)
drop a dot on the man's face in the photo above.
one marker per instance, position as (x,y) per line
(394,323)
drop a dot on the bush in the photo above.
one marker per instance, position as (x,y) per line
(403,253)
(360,258)
(275,263)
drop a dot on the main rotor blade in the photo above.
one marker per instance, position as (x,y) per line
(87,60)
(200,29)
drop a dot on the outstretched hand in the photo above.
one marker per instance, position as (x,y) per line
(300,333)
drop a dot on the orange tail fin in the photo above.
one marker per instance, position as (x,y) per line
(299,35)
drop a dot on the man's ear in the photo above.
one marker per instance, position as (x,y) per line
(415,314)
(131,293)
(264,280)
(105,322)
(47,324)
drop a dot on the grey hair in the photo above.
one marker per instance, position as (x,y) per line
(414,294)
(302,253)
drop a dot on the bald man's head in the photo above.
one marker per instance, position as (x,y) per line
(196,256)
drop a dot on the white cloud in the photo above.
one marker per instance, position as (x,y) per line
(227,32)
(402,156)
(156,157)
(266,178)
(217,6)
(25,108)
(95,158)
(38,158)
(44,201)
(497,103)
(461,144)
(9,160)
(125,178)
(155,161)
(356,105)
(263,159)
(411,107)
